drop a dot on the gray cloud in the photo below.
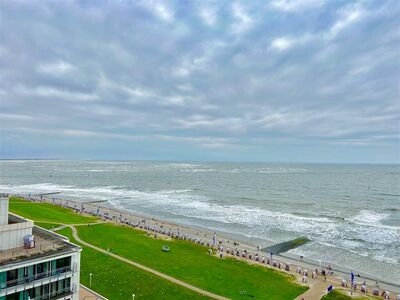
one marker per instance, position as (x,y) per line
(217,75)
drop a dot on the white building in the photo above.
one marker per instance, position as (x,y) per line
(48,268)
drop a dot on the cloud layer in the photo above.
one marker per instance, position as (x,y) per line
(291,80)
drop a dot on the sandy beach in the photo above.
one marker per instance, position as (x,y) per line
(228,246)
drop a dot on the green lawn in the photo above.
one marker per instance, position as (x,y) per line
(44,212)
(117,280)
(192,264)
(47,225)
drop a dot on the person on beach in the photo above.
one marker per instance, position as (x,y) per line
(344,283)
(364,288)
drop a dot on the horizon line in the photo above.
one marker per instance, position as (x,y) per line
(202,161)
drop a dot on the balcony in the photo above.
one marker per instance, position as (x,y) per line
(27,282)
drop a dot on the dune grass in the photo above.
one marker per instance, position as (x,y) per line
(44,212)
(191,263)
(117,280)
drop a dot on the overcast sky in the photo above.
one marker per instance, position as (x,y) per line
(284,80)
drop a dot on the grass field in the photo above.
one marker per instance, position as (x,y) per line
(47,225)
(118,281)
(191,263)
(186,261)
(43,212)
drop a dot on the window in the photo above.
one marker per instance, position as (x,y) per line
(63,264)
(12,277)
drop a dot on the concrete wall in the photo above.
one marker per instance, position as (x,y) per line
(3,211)
(12,235)
(76,266)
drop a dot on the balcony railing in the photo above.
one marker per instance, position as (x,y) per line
(54,295)
(33,277)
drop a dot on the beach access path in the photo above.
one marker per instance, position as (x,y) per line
(147,269)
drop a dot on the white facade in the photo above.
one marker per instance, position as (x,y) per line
(55,283)
(3,210)
(50,270)
(12,235)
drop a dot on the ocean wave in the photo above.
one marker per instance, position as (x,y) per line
(360,233)
(388,194)
(202,168)
(371,218)
(198,170)
(280,170)
(392,209)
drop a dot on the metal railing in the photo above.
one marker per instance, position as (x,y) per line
(54,295)
(30,278)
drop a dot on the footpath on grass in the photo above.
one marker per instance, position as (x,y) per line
(147,269)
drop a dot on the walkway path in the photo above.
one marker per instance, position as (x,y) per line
(147,269)
(315,292)
(87,294)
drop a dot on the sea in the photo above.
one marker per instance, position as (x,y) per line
(351,213)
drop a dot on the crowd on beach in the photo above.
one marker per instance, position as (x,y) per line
(219,247)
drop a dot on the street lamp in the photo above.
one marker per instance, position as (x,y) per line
(90,280)
(133,296)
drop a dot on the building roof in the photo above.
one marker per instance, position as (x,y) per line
(47,244)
